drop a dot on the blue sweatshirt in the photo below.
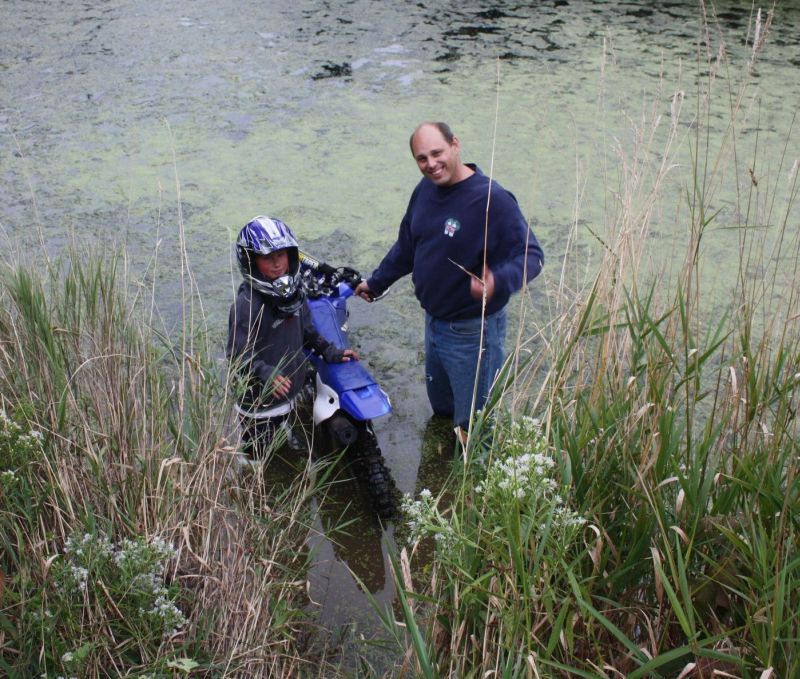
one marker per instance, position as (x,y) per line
(443,227)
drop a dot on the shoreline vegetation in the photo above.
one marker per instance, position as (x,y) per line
(626,506)
(630,507)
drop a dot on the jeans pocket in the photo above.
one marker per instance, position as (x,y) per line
(467,327)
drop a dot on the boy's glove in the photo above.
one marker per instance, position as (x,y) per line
(333,354)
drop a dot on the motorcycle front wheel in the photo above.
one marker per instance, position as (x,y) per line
(373,473)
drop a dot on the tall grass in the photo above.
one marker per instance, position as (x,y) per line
(131,543)
(666,424)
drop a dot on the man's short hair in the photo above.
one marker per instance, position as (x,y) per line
(444,128)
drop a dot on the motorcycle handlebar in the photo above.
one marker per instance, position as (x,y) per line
(344,274)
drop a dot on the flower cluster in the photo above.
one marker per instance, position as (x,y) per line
(144,557)
(132,571)
(166,614)
(18,445)
(88,546)
(516,477)
(517,491)
(521,479)
(423,518)
(526,430)
(80,576)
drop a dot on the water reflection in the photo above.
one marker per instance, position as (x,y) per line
(351,577)
(440,449)
(349,546)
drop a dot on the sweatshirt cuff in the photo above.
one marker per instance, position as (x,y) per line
(375,286)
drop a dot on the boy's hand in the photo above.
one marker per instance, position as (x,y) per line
(349,355)
(281,386)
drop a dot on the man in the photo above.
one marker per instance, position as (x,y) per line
(462,237)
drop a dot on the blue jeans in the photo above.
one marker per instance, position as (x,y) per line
(451,361)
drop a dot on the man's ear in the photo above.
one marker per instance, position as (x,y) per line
(456,145)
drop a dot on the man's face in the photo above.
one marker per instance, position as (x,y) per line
(437,159)
(274,265)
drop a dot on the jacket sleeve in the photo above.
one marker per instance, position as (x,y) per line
(517,257)
(240,350)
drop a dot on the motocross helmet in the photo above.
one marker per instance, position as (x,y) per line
(261,236)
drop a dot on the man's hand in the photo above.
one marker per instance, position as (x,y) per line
(476,285)
(281,386)
(363,291)
(349,355)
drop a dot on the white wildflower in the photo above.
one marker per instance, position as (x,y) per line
(80,576)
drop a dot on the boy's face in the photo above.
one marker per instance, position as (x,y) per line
(274,265)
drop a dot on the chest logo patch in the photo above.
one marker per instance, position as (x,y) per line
(451,226)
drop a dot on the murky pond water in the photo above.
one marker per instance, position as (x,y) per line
(121,120)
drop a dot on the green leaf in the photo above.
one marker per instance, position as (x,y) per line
(183,664)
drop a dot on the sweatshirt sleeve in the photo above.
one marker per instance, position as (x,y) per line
(519,257)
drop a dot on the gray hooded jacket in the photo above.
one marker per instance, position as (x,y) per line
(263,342)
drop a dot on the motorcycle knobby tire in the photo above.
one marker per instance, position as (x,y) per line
(374,474)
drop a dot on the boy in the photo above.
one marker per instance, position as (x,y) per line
(268,328)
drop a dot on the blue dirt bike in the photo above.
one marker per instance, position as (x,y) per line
(347,398)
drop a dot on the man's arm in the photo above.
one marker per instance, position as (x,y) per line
(518,257)
(398,262)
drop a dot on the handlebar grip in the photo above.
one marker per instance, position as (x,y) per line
(314,264)
(308,260)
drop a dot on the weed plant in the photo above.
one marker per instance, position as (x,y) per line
(649,526)
(132,543)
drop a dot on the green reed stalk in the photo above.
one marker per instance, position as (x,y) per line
(131,542)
